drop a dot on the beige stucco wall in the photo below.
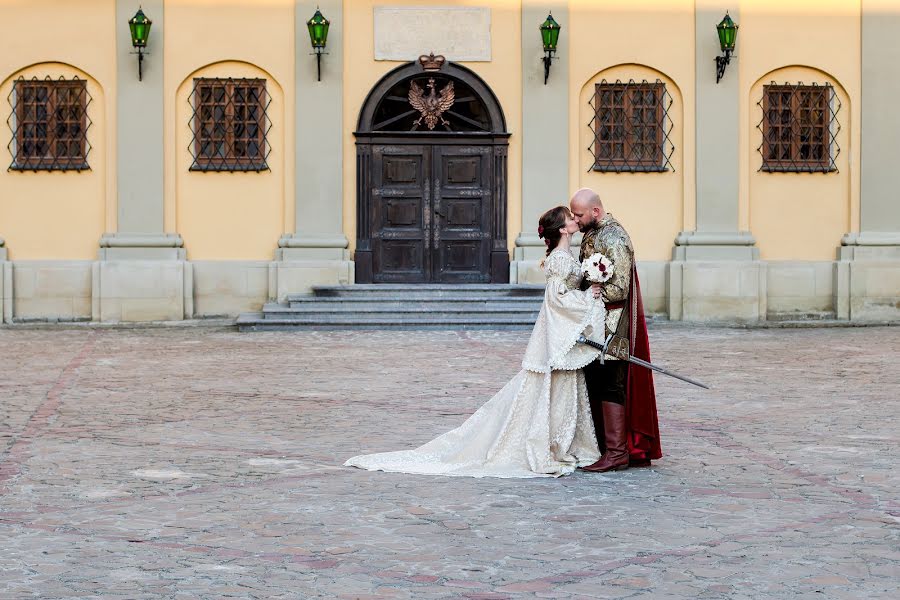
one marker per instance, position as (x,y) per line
(799,216)
(636,43)
(229,215)
(503,74)
(60,215)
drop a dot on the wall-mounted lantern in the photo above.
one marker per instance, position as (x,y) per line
(549,36)
(139,25)
(727,31)
(318,36)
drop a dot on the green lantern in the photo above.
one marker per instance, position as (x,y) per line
(318,31)
(727,31)
(318,37)
(550,37)
(140,29)
(139,25)
(550,33)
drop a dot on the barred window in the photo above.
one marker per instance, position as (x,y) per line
(799,127)
(49,123)
(230,125)
(631,127)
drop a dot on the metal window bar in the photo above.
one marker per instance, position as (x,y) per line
(799,128)
(631,127)
(230,125)
(49,122)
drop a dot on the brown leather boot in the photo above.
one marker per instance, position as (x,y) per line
(616,457)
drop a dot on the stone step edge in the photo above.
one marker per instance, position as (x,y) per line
(259,318)
(363,287)
(414,298)
(414,308)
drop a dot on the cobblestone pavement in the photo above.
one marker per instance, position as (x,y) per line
(205,463)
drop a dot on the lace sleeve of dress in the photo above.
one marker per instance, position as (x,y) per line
(557,265)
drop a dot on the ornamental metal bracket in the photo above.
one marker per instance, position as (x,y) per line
(722,62)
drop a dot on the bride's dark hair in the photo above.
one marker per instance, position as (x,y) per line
(549,225)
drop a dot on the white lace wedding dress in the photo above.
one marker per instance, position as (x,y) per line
(539,424)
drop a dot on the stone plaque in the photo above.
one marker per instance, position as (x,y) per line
(459,33)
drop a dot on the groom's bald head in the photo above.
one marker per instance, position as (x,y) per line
(587,208)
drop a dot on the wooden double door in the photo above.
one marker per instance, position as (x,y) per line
(431,213)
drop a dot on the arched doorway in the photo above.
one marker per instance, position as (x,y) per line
(431,179)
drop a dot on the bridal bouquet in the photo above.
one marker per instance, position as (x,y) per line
(597,268)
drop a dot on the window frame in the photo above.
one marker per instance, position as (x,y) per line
(794,163)
(658,162)
(229,162)
(50,161)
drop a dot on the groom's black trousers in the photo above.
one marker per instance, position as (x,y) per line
(606,382)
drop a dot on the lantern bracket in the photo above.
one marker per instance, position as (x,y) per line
(140,55)
(721,63)
(548,56)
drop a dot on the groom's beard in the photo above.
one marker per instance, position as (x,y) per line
(590,226)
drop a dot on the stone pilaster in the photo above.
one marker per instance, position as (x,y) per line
(715,273)
(868,268)
(142,274)
(5,285)
(545,135)
(316,252)
(140,153)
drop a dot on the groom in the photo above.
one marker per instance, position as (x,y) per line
(623,401)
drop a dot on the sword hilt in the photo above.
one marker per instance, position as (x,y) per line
(601,347)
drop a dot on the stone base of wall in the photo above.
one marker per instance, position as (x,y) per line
(749,291)
(41,290)
(111,291)
(862,285)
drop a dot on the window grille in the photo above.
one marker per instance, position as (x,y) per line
(230,125)
(49,123)
(631,127)
(799,128)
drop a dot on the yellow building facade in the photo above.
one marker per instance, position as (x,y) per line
(239,168)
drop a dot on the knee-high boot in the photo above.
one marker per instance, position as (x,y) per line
(614,430)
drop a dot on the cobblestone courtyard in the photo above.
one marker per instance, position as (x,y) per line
(204,463)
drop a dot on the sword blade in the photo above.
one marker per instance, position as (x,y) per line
(644,363)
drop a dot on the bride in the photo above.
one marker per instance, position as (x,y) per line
(539,424)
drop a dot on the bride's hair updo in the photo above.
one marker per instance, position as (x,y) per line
(549,225)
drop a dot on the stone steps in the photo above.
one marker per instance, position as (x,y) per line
(396,306)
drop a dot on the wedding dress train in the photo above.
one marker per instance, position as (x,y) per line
(539,424)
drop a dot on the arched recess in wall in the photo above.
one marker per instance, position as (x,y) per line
(648,199)
(799,215)
(58,214)
(229,157)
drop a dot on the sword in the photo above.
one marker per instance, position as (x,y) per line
(637,361)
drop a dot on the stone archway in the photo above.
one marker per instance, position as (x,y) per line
(431,179)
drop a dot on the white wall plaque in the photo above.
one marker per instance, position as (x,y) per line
(459,33)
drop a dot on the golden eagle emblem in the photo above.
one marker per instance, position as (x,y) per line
(433,105)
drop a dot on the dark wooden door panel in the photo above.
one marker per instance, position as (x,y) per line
(401,221)
(462,214)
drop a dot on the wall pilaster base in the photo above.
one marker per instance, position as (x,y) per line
(709,291)
(867,277)
(6,301)
(304,260)
(141,246)
(142,290)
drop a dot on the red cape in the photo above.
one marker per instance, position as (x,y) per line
(640,406)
